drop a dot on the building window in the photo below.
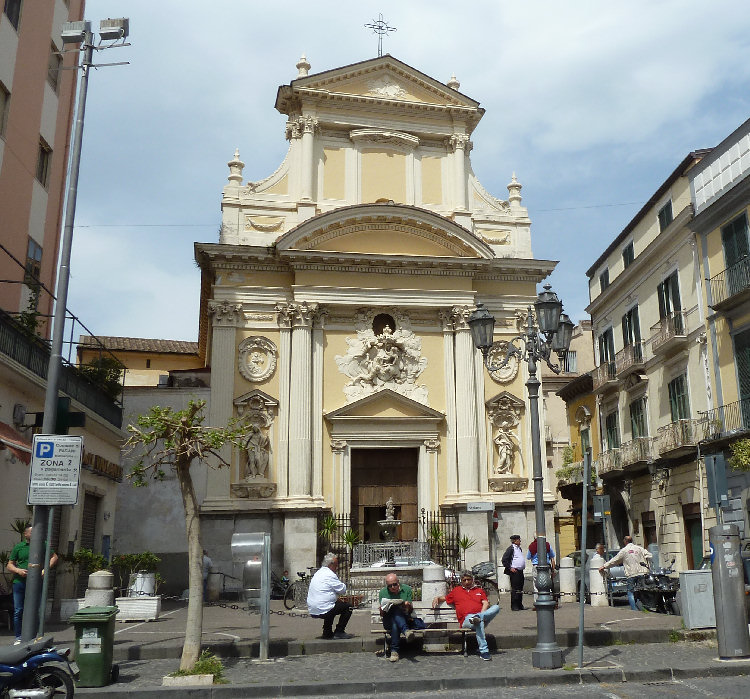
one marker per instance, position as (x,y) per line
(148,364)
(638,425)
(54,67)
(665,216)
(649,528)
(606,346)
(612,430)
(628,255)
(734,237)
(679,405)
(570,363)
(4,108)
(742,361)
(13,12)
(43,162)
(631,328)
(668,293)
(33,263)
(603,280)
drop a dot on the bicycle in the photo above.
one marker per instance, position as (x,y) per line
(296,593)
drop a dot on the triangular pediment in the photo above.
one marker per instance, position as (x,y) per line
(385,404)
(391,229)
(384,78)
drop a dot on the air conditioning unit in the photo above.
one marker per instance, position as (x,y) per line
(114,29)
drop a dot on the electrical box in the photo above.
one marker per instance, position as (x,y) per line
(697,599)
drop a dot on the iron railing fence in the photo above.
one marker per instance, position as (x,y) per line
(672,325)
(726,420)
(676,435)
(630,356)
(732,281)
(603,373)
(636,451)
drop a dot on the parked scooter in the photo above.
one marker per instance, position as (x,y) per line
(36,669)
(657,591)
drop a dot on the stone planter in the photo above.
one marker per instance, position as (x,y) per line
(142,608)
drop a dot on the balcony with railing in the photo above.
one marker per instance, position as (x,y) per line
(604,377)
(678,438)
(32,353)
(731,287)
(637,452)
(609,463)
(669,334)
(630,358)
(726,421)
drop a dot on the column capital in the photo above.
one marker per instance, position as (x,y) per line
(432,445)
(461,315)
(446,320)
(225,313)
(303,314)
(459,141)
(284,314)
(338,446)
(300,125)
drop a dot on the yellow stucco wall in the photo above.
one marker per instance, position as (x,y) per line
(589,402)
(334,168)
(383,176)
(395,242)
(280,187)
(432,180)
(367,280)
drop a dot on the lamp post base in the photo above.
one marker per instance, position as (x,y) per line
(547,658)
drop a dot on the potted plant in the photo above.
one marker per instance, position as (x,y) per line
(740,455)
(465,543)
(141,602)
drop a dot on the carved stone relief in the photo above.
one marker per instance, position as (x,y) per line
(257,411)
(392,359)
(504,413)
(257,358)
(496,357)
(508,484)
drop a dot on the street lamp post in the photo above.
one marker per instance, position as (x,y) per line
(553,335)
(80,34)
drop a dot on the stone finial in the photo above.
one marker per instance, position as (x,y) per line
(514,192)
(303,66)
(235,168)
(453,83)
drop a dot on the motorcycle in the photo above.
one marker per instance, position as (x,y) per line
(657,591)
(36,669)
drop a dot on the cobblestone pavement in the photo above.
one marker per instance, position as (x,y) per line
(356,673)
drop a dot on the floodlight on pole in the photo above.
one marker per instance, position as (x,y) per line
(35,598)
(554,333)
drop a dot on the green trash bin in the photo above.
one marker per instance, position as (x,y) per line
(95,638)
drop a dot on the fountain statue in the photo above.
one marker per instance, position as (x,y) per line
(389,524)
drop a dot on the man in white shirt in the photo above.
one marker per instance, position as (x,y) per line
(514,562)
(635,560)
(323,602)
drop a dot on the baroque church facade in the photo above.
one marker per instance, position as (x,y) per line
(334,316)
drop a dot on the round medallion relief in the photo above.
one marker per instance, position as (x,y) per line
(257,358)
(497,356)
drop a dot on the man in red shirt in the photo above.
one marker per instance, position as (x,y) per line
(472,609)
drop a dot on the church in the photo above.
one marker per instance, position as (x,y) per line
(334,316)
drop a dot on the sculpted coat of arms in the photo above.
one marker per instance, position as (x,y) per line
(392,358)
(257,358)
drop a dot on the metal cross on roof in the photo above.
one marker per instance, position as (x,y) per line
(381,28)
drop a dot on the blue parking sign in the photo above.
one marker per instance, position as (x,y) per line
(44,450)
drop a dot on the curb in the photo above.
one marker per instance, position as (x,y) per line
(544,677)
(284,648)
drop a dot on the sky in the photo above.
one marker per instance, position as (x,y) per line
(591,104)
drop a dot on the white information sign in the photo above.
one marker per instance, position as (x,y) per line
(480,506)
(55,469)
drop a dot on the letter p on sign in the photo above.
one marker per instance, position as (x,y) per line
(45,450)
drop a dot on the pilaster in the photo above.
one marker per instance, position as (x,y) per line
(446,318)
(226,317)
(317,403)
(284,320)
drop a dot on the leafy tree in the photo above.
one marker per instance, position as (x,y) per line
(175,439)
(106,372)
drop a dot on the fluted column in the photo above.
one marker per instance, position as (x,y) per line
(467,438)
(284,320)
(226,316)
(300,401)
(338,449)
(459,144)
(317,403)
(308,124)
(446,319)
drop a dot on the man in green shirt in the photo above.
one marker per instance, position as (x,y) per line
(395,608)
(17,564)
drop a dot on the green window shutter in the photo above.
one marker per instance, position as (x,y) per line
(742,358)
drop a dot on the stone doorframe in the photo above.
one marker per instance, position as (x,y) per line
(350,431)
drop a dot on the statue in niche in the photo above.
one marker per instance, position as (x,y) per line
(505,443)
(257,451)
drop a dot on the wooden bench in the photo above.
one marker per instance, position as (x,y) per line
(441,623)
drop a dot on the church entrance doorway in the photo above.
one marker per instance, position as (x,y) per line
(379,474)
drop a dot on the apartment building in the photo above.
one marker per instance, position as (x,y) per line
(652,384)
(720,192)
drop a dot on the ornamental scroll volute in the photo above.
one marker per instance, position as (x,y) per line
(384,354)
(504,413)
